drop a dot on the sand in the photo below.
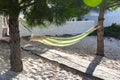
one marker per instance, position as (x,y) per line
(36,68)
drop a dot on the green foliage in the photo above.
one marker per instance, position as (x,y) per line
(111,31)
(37,12)
(111,4)
(57,12)
(9,7)
(105,4)
(92,3)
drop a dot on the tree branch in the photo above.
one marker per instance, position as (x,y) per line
(27,5)
(115,4)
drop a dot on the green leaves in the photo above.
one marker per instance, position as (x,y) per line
(37,12)
(92,3)
(58,13)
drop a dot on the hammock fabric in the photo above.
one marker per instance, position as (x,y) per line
(60,41)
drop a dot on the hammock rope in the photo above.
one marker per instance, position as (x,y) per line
(23,23)
(60,41)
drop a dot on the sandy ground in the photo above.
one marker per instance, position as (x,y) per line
(36,68)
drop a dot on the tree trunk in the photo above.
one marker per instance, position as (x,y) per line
(100,33)
(15,51)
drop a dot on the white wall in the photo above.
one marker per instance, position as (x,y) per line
(71,27)
(110,18)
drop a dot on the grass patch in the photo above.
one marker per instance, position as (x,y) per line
(110,31)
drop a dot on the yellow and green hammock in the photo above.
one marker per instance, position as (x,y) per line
(61,41)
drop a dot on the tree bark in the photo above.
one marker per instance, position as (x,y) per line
(15,51)
(100,33)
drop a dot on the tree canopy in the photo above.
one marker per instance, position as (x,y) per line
(38,11)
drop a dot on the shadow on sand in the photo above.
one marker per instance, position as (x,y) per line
(92,66)
(9,75)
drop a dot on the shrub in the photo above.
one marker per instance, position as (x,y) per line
(110,31)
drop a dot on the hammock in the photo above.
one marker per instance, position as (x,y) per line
(60,41)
